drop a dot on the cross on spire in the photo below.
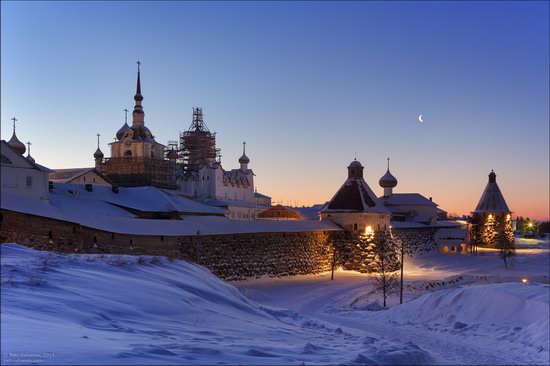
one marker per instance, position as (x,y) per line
(244,147)
(125,115)
(388,163)
(98,140)
(29,147)
(14,120)
(139,64)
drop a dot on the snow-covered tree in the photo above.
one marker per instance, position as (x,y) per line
(504,240)
(488,232)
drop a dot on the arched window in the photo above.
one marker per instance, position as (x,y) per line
(152,154)
(128,154)
(355,226)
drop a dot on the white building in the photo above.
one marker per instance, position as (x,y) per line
(406,206)
(20,175)
(203,177)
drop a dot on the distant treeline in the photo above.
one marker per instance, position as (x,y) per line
(526,224)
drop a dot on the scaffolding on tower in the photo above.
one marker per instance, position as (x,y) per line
(197,145)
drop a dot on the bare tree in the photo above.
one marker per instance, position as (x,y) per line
(384,263)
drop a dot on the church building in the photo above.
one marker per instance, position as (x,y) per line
(203,177)
(406,206)
(137,159)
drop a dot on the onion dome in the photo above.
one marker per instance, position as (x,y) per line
(244,159)
(29,157)
(120,133)
(98,154)
(16,144)
(138,132)
(388,180)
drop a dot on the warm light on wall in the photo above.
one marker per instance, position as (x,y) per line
(508,217)
(490,216)
(368,230)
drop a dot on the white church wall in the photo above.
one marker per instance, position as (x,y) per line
(358,221)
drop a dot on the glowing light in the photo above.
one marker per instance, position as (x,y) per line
(508,217)
(490,216)
(368,230)
(530,224)
(524,280)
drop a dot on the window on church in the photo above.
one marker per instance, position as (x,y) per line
(84,178)
(29,181)
(128,153)
(354,226)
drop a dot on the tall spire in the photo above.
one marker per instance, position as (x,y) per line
(244,147)
(388,164)
(14,141)
(137,114)
(29,157)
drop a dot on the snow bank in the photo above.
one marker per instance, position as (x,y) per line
(95,309)
(513,312)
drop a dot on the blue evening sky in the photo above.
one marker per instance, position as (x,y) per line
(306,84)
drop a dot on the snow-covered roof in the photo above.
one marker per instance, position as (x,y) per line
(259,195)
(146,199)
(67,175)
(355,196)
(449,234)
(227,203)
(415,199)
(100,215)
(420,225)
(492,199)
(310,213)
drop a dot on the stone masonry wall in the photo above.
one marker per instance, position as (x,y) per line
(230,256)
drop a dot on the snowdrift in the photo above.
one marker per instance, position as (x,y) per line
(500,315)
(93,309)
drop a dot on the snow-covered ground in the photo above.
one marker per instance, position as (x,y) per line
(77,309)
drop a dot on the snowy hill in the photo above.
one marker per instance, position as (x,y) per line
(92,309)
(113,309)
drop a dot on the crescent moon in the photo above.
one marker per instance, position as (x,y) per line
(420,118)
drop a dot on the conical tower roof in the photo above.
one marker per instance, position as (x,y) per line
(492,199)
(355,194)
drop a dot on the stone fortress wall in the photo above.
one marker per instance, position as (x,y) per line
(229,256)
